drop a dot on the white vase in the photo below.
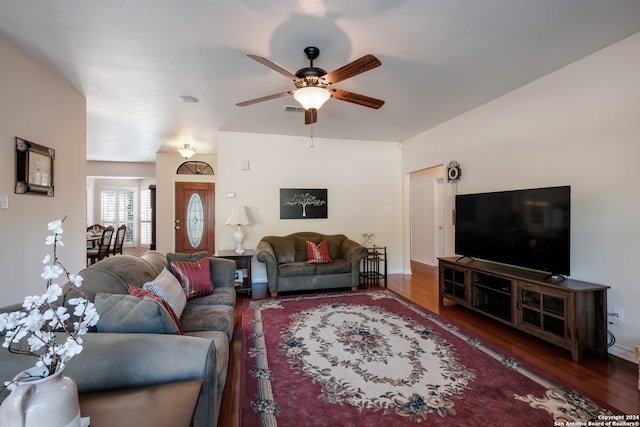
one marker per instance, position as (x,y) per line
(50,401)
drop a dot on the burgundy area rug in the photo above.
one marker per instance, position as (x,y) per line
(374,359)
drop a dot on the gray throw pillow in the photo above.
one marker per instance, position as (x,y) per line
(123,313)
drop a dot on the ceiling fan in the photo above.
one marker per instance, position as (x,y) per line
(314,84)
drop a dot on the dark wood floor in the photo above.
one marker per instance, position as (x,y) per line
(609,379)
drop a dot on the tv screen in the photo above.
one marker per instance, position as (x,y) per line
(527,228)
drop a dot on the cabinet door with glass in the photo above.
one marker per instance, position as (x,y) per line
(453,283)
(543,309)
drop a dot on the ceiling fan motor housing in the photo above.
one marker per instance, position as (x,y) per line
(310,76)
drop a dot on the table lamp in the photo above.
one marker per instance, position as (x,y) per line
(238,217)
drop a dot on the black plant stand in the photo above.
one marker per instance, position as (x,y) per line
(374,266)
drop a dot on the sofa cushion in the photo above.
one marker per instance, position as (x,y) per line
(157,260)
(338,266)
(131,269)
(318,253)
(284,249)
(128,314)
(167,287)
(297,269)
(141,293)
(335,244)
(195,277)
(181,257)
(222,296)
(198,317)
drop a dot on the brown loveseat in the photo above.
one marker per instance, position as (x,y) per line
(287,268)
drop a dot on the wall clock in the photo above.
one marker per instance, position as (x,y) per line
(454,172)
(34,168)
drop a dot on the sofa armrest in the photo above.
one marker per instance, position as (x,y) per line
(223,272)
(121,361)
(112,361)
(266,254)
(115,360)
(353,252)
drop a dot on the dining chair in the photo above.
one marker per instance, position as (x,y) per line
(102,251)
(118,241)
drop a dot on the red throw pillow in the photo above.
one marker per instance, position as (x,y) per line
(318,254)
(195,277)
(141,293)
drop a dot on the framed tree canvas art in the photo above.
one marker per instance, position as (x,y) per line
(302,203)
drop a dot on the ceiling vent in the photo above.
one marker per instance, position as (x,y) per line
(293,109)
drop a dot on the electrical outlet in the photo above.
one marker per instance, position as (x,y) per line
(4,202)
(616,315)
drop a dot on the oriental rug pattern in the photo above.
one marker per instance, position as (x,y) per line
(373,358)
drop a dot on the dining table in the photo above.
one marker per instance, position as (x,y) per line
(93,240)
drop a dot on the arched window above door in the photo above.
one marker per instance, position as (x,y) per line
(194,167)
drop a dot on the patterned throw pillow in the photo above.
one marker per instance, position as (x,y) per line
(167,287)
(183,257)
(195,277)
(141,293)
(318,254)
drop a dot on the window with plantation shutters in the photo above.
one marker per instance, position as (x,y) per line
(116,208)
(145,217)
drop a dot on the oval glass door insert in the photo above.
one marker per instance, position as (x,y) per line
(195,220)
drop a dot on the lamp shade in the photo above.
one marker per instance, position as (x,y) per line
(238,217)
(187,151)
(311,97)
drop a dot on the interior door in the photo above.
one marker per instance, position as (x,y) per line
(426,218)
(195,217)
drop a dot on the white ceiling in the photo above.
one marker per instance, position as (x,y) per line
(440,58)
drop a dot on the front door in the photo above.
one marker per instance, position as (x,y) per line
(195,217)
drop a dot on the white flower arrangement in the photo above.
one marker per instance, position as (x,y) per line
(46,316)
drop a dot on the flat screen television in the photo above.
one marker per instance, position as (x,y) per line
(526,228)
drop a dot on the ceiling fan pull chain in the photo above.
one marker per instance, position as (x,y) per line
(312,136)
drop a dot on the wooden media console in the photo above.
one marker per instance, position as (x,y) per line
(571,314)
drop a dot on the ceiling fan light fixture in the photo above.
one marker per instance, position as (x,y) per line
(187,151)
(311,97)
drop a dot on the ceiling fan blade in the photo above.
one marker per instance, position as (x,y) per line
(345,95)
(354,68)
(310,116)
(264,98)
(274,67)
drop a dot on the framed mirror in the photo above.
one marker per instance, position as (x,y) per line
(34,168)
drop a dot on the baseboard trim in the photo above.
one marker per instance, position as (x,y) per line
(623,353)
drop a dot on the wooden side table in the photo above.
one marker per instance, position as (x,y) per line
(243,264)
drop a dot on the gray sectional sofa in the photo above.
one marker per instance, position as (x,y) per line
(118,364)
(288,270)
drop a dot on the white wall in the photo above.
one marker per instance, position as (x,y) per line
(40,107)
(362,179)
(121,169)
(578,126)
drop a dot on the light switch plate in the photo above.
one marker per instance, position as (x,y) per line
(4,202)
